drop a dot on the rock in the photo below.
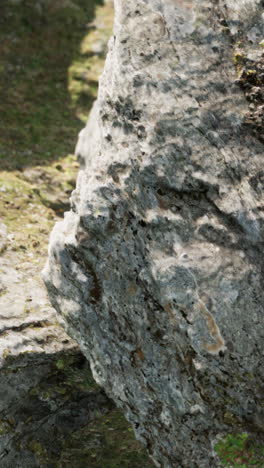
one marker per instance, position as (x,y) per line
(46,400)
(47,393)
(157,270)
(87,137)
(3,237)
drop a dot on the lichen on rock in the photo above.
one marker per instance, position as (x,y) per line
(157,270)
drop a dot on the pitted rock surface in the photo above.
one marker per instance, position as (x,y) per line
(157,270)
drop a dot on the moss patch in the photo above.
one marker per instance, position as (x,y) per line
(30,202)
(237,451)
(102,449)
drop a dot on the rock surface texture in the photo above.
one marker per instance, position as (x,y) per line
(157,271)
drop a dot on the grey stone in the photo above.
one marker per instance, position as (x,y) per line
(157,270)
(3,237)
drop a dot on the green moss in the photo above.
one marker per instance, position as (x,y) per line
(235,451)
(110,443)
(78,377)
(69,375)
(60,364)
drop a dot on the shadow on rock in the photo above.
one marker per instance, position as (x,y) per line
(46,400)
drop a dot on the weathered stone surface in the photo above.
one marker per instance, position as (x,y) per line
(157,271)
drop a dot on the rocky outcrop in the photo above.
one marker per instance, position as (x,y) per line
(157,270)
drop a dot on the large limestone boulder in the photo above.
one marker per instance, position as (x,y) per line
(157,271)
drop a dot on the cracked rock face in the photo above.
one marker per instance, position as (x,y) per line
(157,271)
